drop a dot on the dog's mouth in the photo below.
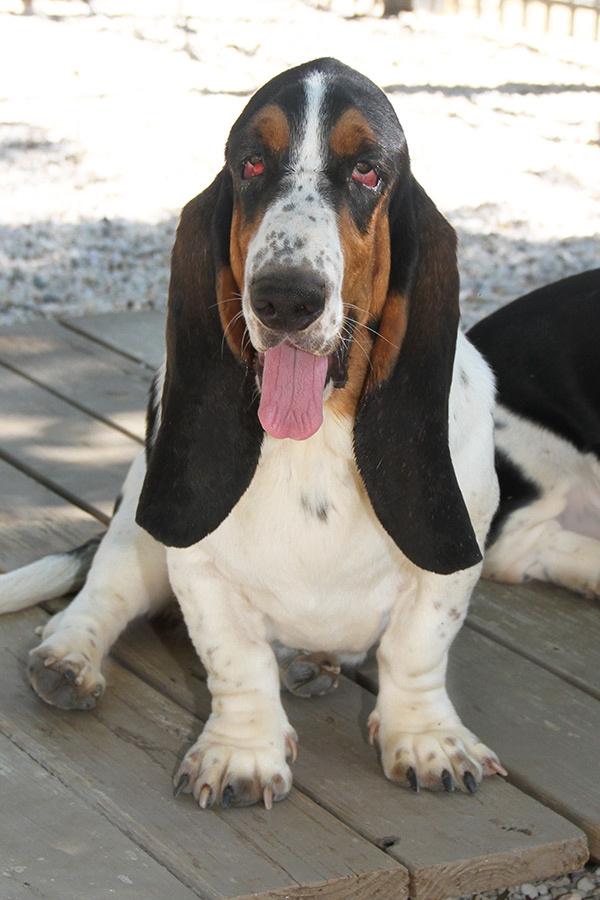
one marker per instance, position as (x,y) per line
(293,382)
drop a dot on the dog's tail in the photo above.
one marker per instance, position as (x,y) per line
(50,577)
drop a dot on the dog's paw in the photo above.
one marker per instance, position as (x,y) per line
(64,677)
(225,773)
(311,674)
(446,759)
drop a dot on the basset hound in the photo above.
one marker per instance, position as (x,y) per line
(544,349)
(319,467)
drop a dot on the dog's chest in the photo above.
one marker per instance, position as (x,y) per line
(305,547)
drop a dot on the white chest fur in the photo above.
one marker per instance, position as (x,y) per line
(305,548)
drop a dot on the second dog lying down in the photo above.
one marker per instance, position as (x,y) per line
(544,349)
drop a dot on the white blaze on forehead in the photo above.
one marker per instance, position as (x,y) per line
(299,230)
(309,155)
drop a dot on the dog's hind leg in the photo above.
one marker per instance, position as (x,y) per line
(571,560)
(546,552)
(128,578)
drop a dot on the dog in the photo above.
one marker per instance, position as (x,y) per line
(318,476)
(543,349)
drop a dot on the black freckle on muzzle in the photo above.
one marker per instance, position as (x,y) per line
(288,299)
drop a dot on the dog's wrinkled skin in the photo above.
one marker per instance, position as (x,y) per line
(318,475)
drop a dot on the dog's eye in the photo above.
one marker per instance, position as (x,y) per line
(254,166)
(365,174)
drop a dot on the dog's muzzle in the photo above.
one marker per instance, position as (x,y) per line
(288,300)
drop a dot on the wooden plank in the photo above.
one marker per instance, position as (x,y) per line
(57,846)
(451,845)
(544,730)
(139,335)
(120,759)
(547,624)
(80,370)
(366,885)
(59,443)
(35,522)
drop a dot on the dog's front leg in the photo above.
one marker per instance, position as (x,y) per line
(423,743)
(242,754)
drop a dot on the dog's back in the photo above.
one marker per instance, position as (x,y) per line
(543,348)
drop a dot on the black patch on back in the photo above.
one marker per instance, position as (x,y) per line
(545,351)
(516,491)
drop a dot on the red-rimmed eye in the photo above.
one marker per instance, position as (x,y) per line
(254,166)
(365,174)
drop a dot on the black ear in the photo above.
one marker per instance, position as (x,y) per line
(401,430)
(209,439)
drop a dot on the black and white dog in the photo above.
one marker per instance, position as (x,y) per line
(319,468)
(544,349)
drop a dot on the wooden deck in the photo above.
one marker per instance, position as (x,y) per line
(86,801)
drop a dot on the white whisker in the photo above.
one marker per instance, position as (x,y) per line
(246,342)
(373,331)
(354,336)
(236,297)
(232,322)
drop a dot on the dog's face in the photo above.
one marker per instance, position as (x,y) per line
(316,259)
(313,164)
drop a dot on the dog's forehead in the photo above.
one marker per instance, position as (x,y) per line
(351,109)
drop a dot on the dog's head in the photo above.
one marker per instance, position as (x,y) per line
(316,266)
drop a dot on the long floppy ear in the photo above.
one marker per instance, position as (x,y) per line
(401,430)
(209,439)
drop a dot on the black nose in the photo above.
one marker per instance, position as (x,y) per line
(288,300)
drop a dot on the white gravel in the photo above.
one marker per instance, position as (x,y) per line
(110,123)
(581,885)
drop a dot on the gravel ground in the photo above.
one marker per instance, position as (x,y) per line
(111,122)
(581,885)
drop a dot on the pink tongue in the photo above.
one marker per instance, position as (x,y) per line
(291,403)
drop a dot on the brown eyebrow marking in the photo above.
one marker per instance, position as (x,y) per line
(350,133)
(273,128)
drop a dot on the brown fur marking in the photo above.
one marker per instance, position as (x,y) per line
(366,276)
(273,128)
(230,305)
(392,329)
(350,133)
(241,235)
